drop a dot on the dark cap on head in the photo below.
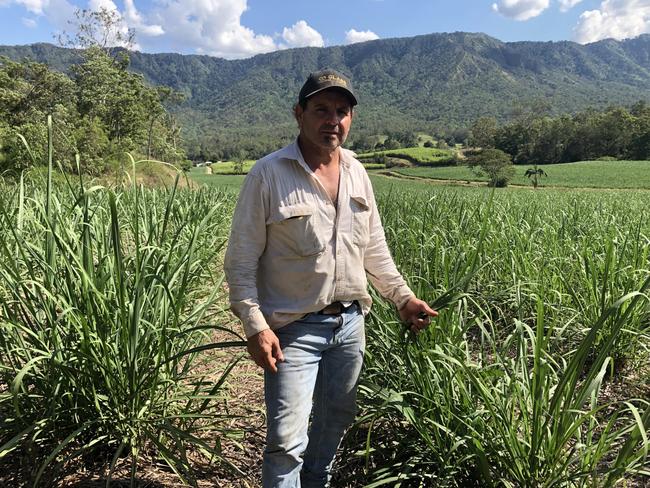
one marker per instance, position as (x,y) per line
(326,79)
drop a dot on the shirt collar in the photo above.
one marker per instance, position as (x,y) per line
(292,151)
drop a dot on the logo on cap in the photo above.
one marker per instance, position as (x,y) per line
(334,78)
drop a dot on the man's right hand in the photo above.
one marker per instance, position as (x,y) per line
(264,348)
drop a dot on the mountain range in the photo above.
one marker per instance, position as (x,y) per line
(431,83)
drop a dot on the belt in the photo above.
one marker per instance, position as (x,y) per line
(335,308)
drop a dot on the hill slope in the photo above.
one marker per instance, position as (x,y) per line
(431,82)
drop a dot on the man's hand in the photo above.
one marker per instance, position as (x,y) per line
(416,313)
(264,348)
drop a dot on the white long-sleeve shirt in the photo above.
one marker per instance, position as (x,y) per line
(291,252)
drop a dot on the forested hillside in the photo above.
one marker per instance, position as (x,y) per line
(434,83)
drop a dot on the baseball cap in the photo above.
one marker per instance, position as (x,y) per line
(323,80)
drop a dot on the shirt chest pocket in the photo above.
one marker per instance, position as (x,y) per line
(297,231)
(360,220)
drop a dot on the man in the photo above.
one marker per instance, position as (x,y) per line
(305,234)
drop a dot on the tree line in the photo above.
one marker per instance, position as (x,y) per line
(534,137)
(100,109)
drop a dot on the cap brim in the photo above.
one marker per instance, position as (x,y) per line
(350,95)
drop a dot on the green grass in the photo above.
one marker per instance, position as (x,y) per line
(369,166)
(107,299)
(589,174)
(228,167)
(516,383)
(586,174)
(418,155)
(507,388)
(219,181)
(423,138)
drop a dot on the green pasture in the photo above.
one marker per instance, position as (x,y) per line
(418,155)
(218,180)
(588,174)
(585,174)
(228,167)
(223,168)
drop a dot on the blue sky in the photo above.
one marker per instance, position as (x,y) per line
(243,28)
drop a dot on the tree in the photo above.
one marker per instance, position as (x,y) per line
(156,101)
(102,28)
(391,143)
(616,129)
(442,144)
(528,110)
(363,143)
(28,93)
(100,112)
(238,162)
(493,163)
(483,132)
(404,138)
(459,135)
(533,174)
(121,104)
(545,140)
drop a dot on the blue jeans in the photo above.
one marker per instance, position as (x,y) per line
(323,355)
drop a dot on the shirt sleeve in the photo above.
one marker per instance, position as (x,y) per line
(379,264)
(245,246)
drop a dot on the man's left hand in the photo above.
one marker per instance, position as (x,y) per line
(417,313)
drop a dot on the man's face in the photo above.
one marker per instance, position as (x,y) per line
(326,119)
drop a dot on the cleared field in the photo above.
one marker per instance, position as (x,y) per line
(228,167)
(419,155)
(219,180)
(586,174)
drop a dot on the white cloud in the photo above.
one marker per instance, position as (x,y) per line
(28,22)
(206,26)
(134,20)
(301,34)
(59,13)
(619,19)
(210,26)
(34,6)
(520,9)
(122,27)
(566,5)
(130,18)
(353,36)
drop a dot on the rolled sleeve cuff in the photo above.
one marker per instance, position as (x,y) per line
(401,296)
(254,323)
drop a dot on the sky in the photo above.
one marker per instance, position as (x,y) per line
(235,29)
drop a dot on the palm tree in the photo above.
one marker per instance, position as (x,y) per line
(534,173)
